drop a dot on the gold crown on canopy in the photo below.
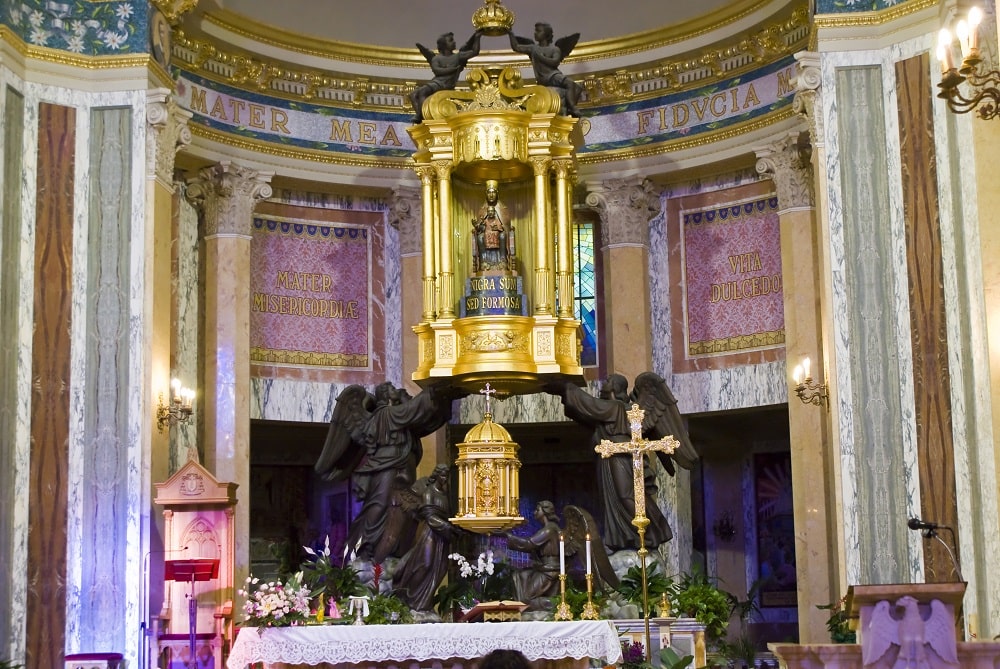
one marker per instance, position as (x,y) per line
(493,18)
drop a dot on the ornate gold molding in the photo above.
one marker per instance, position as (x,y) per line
(877,18)
(783,35)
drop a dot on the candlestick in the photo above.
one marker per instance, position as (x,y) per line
(589,610)
(562,556)
(562,611)
(588,555)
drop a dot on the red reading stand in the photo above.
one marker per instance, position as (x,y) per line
(189,571)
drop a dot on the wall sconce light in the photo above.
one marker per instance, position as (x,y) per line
(180,408)
(985,98)
(809,391)
(724,527)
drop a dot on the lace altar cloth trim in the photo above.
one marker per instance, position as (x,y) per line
(336,644)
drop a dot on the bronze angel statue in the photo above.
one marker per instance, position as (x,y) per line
(607,416)
(545,56)
(447,64)
(539,582)
(425,564)
(377,440)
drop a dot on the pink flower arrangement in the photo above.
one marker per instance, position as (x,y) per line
(275,604)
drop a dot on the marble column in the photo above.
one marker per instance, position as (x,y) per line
(167,132)
(786,162)
(227,194)
(406,215)
(625,207)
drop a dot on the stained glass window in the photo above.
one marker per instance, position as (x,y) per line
(585,289)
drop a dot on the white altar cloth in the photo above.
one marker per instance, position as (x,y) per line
(360,644)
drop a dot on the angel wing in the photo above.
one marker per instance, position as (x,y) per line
(567,44)
(651,393)
(579,525)
(427,53)
(939,632)
(523,40)
(881,634)
(344,448)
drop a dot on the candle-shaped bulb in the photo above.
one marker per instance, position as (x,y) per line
(944,50)
(562,556)
(962,33)
(588,555)
(175,385)
(975,18)
(187,395)
(797,374)
(805,368)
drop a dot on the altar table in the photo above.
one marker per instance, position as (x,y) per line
(445,645)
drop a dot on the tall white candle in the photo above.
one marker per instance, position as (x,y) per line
(562,556)
(588,555)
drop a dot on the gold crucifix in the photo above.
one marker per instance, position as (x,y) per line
(638,447)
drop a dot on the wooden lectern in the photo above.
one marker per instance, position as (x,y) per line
(191,571)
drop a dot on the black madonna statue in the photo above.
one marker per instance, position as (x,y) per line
(607,416)
(377,440)
(494,248)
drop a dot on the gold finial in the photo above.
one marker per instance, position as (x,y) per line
(493,18)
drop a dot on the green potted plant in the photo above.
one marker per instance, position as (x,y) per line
(696,596)
(388,610)
(630,585)
(838,622)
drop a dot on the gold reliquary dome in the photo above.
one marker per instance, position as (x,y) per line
(488,432)
(493,18)
(489,489)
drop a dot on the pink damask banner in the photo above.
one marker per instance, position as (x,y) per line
(310,287)
(732,271)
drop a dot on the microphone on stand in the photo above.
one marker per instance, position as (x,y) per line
(930,532)
(144,603)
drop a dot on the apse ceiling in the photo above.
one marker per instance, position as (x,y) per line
(393,23)
(372,37)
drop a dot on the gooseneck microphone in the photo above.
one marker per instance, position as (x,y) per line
(930,532)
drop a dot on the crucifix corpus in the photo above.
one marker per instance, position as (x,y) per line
(638,447)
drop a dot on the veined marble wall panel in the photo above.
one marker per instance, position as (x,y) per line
(931,349)
(51,373)
(131,423)
(104,488)
(975,472)
(871,314)
(186,287)
(13,404)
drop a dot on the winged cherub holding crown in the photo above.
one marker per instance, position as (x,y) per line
(545,59)
(447,64)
